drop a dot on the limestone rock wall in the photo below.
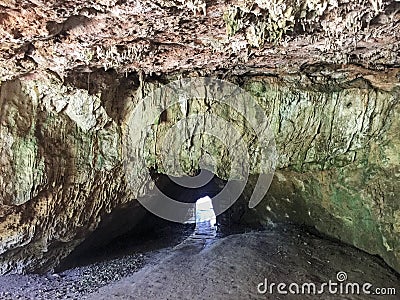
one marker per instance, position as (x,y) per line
(339,162)
(62,170)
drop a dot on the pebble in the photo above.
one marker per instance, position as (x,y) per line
(71,284)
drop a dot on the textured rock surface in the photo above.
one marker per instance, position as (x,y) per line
(83,36)
(338,163)
(326,72)
(59,154)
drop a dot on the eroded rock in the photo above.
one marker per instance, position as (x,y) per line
(325,72)
(338,167)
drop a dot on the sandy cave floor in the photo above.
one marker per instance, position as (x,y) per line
(184,266)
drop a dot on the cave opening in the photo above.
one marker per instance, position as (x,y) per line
(133,229)
(206,220)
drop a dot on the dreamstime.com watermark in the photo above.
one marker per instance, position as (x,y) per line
(339,287)
(204,122)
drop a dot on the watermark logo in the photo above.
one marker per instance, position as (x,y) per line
(339,287)
(204,124)
(341,276)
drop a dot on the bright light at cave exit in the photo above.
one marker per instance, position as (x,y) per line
(205,211)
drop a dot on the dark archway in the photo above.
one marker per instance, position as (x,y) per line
(127,228)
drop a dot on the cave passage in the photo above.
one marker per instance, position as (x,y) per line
(132,228)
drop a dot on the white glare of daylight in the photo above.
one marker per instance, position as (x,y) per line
(205,211)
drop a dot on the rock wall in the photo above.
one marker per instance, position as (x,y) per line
(62,160)
(163,36)
(339,162)
(60,171)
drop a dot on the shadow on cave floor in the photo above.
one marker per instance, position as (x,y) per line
(234,266)
(137,255)
(160,235)
(168,260)
(88,269)
(132,229)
